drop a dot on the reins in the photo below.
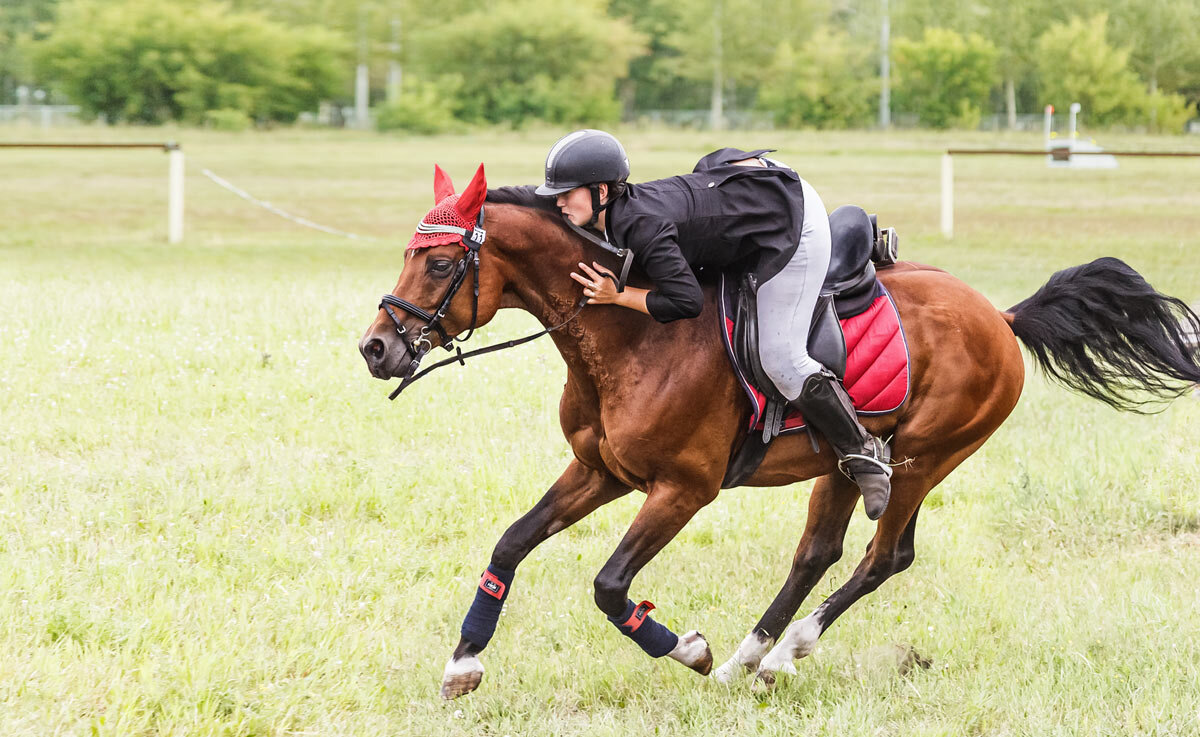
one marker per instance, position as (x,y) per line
(472,240)
(461,357)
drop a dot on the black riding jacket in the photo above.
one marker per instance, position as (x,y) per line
(719,216)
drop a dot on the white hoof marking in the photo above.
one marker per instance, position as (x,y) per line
(461,676)
(798,641)
(749,654)
(692,650)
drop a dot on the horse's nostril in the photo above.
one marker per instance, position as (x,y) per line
(374,348)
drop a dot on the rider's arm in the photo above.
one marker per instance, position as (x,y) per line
(633,298)
(677,293)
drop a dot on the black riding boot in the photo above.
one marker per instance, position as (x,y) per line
(825,404)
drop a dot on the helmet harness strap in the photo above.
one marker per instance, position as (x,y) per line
(597,208)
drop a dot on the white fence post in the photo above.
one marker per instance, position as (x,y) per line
(174,193)
(947,195)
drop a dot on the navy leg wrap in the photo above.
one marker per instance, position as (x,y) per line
(636,624)
(481,618)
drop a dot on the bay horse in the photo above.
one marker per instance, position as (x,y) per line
(656,407)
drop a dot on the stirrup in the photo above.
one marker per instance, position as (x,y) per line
(885,468)
(883,451)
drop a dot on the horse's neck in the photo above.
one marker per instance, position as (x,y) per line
(596,340)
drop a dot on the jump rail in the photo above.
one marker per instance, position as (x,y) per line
(174,175)
(1059,154)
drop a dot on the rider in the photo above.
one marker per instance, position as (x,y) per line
(736,207)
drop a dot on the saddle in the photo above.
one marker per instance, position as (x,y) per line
(850,289)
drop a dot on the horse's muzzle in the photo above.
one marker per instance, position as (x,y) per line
(387,356)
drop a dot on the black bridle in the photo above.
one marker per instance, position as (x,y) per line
(417,347)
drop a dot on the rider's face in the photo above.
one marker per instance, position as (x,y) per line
(576,204)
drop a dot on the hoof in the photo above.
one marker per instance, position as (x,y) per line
(461,676)
(747,659)
(692,650)
(730,670)
(764,680)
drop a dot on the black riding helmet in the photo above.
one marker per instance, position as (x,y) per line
(585,158)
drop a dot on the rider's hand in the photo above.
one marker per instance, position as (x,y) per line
(599,284)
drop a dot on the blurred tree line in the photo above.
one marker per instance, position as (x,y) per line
(806,63)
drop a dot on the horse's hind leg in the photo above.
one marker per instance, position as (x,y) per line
(890,552)
(578,492)
(829,510)
(883,559)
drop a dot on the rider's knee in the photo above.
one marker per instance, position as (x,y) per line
(787,368)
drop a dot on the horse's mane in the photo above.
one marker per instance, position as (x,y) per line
(522,196)
(525,196)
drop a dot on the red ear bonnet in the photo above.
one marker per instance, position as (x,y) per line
(459,210)
(472,197)
(442,186)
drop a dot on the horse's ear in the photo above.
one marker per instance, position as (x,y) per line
(473,196)
(442,186)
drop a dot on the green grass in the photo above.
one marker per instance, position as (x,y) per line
(212,521)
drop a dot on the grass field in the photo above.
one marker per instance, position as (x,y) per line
(212,521)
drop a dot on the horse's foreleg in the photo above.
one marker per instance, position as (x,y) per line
(667,509)
(890,551)
(578,492)
(829,511)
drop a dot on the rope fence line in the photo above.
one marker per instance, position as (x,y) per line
(175,181)
(226,184)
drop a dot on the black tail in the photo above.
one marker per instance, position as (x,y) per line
(1102,330)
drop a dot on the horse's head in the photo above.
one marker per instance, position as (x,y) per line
(441,292)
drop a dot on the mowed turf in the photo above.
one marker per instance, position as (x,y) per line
(212,521)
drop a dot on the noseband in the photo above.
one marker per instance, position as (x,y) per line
(417,347)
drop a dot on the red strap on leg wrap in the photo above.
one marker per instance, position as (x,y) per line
(491,585)
(639,615)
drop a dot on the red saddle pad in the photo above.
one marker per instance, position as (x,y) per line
(876,364)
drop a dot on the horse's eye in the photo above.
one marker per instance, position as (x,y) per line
(440,267)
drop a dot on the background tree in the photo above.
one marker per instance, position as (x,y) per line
(654,81)
(148,61)
(1162,35)
(1077,64)
(830,82)
(945,77)
(726,44)
(20,22)
(911,18)
(1164,41)
(557,61)
(809,62)
(1013,26)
